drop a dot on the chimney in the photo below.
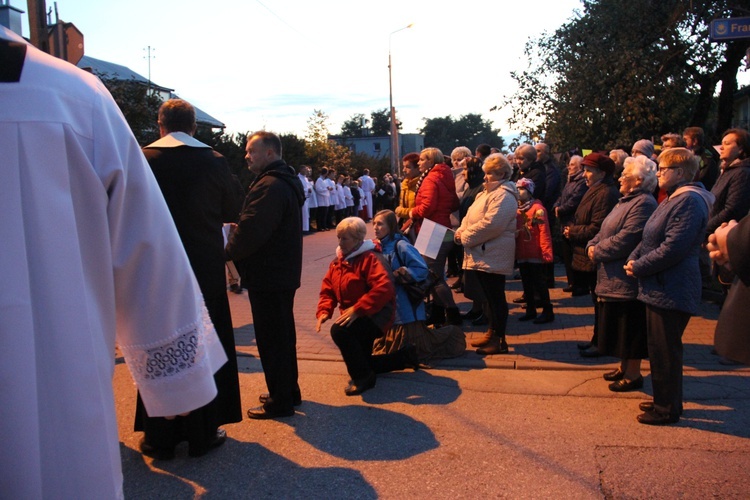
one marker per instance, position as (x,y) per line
(10,17)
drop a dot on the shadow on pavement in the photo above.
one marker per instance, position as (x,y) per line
(238,470)
(420,388)
(362,432)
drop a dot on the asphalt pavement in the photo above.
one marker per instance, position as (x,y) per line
(538,422)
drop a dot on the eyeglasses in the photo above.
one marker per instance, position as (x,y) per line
(664,169)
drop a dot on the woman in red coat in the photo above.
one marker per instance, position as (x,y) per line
(436,200)
(359,282)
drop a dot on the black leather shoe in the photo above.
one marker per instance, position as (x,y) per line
(545,317)
(154,452)
(624,385)
(480,320)
(471,315)
(568,289)
(578,292)
(261,413)
(520,300)
(582,346)
(649,406)
(411,359)
(591,352)
(654,418)
(263,398)
(527,317)
(614,376)
(218,440)
(356,387)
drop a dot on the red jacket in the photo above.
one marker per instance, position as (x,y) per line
(533,237)
(436,198)
(359,280)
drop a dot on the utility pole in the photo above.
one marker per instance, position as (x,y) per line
(148,56)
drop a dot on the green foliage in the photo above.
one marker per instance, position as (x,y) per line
(619,71)
(353,126)
(380,124)
(293,150)
(361,161)
(320,151)
(471,130)
(139,106)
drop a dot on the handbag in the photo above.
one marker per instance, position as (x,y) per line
(416,290)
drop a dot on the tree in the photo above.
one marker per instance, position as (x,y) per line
(319,150)
(354,126)
(469,130)
(139,106)
(601,79)
(381,123)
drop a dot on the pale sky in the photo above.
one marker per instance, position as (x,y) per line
(256,64)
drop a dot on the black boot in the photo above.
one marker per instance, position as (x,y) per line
(437,315)
(454,316)
(547,316)
(530,314)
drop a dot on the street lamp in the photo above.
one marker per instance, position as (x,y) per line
(395,163)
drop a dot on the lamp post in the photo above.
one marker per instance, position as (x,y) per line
(395,163)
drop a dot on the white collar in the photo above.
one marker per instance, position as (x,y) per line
(177,139)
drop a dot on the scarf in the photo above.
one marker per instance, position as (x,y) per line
(524,206)
(421,177)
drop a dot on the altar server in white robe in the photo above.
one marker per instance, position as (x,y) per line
(90,257)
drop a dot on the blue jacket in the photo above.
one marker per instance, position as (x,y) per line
(620,233)
(401,253)
(666,260)
(571,197)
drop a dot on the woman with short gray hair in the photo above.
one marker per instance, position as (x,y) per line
(621,317)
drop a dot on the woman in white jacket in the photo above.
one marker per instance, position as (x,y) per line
(488,234)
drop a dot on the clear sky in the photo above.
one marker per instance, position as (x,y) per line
(269,63)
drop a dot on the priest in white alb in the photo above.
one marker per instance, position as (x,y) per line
(89,257)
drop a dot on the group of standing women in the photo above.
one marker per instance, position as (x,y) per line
(638,260)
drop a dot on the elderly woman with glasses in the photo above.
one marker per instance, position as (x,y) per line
(669,281)
(622,318)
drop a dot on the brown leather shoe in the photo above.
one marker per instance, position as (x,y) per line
(495,346)
(484,340)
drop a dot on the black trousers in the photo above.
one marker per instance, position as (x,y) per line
(321,218)
(587,281)
(534,281)
(355,343)
(664,329)
(567,257)
(276,336)
(495,304)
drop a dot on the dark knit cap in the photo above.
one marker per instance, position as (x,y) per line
(600,161)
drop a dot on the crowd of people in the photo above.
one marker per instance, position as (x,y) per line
(633,231)
(638,233)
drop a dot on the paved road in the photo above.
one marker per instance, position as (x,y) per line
(536,423)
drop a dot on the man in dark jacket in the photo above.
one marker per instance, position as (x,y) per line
(708,170)
(267,244)
(530,168)
(201,195)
